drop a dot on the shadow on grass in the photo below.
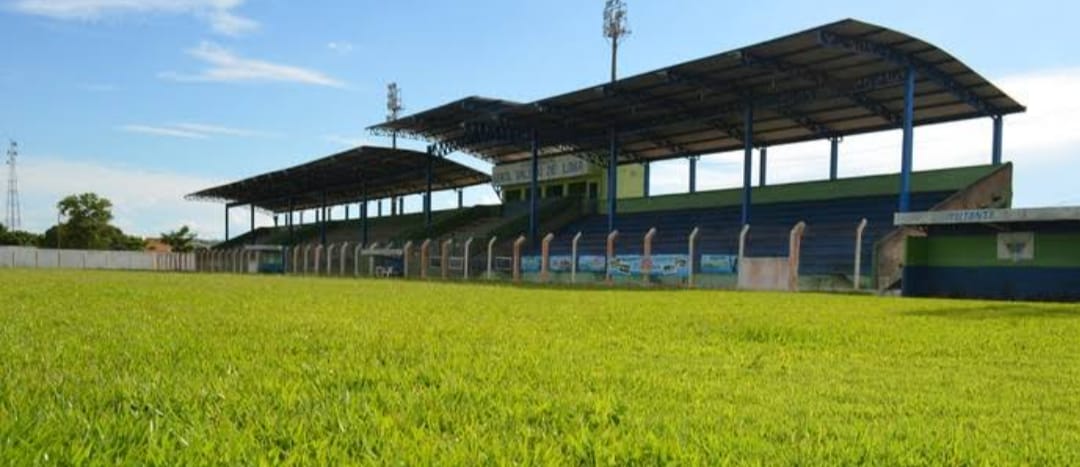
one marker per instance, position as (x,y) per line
(1001,311)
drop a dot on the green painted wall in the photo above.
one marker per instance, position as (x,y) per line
(631,182)
(929,181)
(1052,250)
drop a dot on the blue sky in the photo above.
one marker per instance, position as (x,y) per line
(144,101)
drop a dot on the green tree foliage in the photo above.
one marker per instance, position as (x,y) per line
(87,226)
(181,241)
(18,238)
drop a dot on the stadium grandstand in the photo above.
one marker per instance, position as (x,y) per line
(577,166)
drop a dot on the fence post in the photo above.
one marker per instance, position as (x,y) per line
(742,243)
(858,253)
(646,257)
(491,258)
(794,253)
(318,258)
(573,257)
(307,254)
(691,261)
(611,238)
(356,260)
(371,259)
(444,254)
(342,256)
(330,259)
(406,251)
(545,257)
(465,265)
(424,258)
(516,274)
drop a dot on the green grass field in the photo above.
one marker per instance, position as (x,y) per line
(107,368)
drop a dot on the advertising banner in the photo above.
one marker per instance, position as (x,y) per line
(719,264)
(662,265)
(550,169)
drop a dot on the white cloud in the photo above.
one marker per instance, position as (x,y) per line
(192,130)
(162,131)
(226,66)
(145,202)
(219,13)
(1046,137)
(343,48)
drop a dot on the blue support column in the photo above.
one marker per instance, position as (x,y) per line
(460,198)
(290,222)
(764,165)
(748,161)
(364,218)
(613,180)
(645,179)
(534,190)
(999,128)
(322,222)
(401,205)
(226,222)
(346,212)
(427,191)
(834,157)
(909,141)
(252,228)
(693,173)
(379,212)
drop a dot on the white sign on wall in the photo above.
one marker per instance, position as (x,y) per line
(1016,246)
(550,169)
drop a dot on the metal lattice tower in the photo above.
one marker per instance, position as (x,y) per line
(393,107)
(13,216)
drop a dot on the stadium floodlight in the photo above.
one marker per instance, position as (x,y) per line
(393,108)
(616,27)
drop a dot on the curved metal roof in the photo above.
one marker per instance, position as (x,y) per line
(840,79)
(350,176)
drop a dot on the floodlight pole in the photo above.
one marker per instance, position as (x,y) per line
(613,175)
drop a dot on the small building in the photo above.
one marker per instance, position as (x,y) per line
(1004,254)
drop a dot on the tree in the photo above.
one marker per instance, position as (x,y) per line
(87,227)
(181,241)
(18,238)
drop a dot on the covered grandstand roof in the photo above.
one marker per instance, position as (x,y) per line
(350,176)
(840,79)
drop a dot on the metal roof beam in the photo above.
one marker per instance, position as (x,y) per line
(863,46)
(854,91)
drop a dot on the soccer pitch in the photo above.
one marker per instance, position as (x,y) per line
(135,368)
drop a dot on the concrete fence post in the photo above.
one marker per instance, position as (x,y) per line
(465,265)
(794,254)
(574,257)
(742,242)
(611,239)
(691,260)
(342,256)
(371,259)
(330,259)
(646,257)
(307,254)
(858,253)
(318,259)
(491,258)
(545,257)
(406,252)
(444,258)
(355,259)
(424,249)
(516,274)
